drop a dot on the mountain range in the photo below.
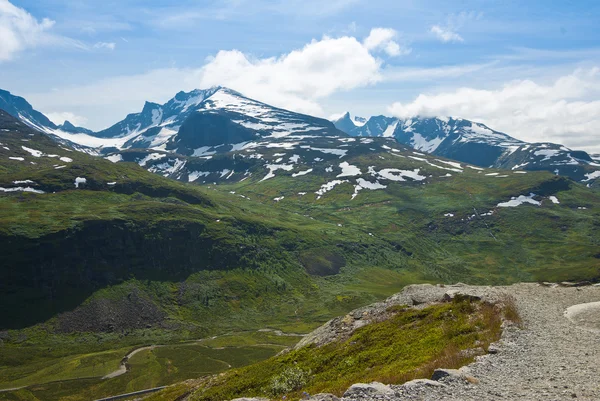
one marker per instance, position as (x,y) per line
(205,123)
(216,213)
(474,143)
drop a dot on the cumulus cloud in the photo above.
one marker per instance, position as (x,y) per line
(19,30)
(384,39)
(565,110)
(298,80)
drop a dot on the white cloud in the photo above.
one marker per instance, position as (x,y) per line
(298,80)
(563,111)
(60,117)
(19,30)
(445,34)
(384,39)
(105,45)
(448,33)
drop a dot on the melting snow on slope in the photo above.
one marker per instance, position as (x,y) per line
(419,142)
(554,200)
(115,158)
(274,167)
(203,151)
(393,174)
(348,170)
(328,187)
(151,156)
(339,152)
(34,153)
(364,184)
(21,189)
(592,176)
(301,173)
(514,202)
(79,181)
(453,164)
(389,131)
(547,153)
(194,175)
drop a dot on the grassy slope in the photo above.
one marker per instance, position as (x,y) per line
(525,243)
(411,343)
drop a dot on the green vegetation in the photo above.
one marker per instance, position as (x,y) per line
(411,344)
(153,367)
(131,258)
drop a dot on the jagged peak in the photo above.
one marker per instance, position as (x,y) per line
(67,124)
(148,106)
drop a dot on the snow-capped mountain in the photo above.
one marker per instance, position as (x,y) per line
(67,126)
(210,117)
(347,123)
(475,143)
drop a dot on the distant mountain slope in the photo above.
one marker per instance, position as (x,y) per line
(475,143)
(19,108)
(93,246)
(210,117)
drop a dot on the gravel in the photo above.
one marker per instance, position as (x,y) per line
(554,357)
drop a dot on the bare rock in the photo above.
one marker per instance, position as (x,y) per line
(361,390)
(323,397)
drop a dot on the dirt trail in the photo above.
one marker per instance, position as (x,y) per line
(123,366)
(556,356)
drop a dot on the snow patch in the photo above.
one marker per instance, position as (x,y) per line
(364,184)
(301,173)
(79,181)
(328,187)
(348,170)
(115,158)
(33,152)
(21,189)
(521,199)
(274,167)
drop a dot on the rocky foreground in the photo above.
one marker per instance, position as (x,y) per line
(554,356)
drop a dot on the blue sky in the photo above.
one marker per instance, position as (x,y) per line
(529,68)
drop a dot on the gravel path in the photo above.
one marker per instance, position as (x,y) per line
(555,357)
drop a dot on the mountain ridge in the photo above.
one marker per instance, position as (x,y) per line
(475,143)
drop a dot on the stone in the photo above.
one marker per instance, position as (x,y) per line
(324,397)
(446,375)
(451,295)
(361,389)
(422,383)
(493,349)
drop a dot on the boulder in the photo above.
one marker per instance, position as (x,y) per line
(422,383)
(459,295)
(360,390)
(446,375)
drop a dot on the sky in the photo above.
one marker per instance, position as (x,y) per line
(529,68)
